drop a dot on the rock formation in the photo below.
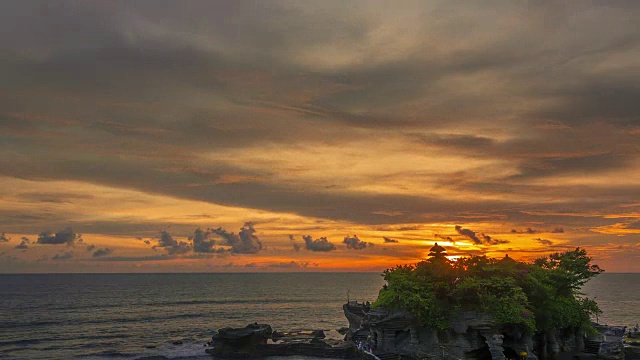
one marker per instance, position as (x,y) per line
(399,335)
(258,341)
(608,343)
(240,342)
(471,335)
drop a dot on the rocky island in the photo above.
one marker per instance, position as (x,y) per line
(472,308)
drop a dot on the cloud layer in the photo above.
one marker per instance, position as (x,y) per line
(331,117)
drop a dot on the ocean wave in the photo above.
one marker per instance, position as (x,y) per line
(134,319)
(108,354)
(50,307)
(22,342)
(42,340)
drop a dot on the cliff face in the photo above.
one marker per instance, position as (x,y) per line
(471,335)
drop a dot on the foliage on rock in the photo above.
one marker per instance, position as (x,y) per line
(537,296)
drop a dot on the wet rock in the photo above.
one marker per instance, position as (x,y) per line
(240,342)
(355,313)
(612,350)
(318,334)
(343,330)
(276,335)
(251,342)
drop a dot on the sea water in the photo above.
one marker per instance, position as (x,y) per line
(133,316)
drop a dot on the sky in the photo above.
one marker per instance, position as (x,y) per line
(231,136)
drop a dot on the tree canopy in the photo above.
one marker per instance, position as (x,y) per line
(537,296)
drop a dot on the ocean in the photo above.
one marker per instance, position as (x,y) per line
(133,316)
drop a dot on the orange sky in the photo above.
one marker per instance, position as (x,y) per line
(511,129)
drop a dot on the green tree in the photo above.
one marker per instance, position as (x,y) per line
(537,297)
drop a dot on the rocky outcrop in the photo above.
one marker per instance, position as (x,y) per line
(471,335)
(355,313)
(398,334)
(240,342)
(258,341)
(608,343)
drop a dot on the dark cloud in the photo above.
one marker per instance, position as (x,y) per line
(633,225)
(63,256)
(544,241)
(295,245)
(55,198)
(245,242)
(202,243)
(135,258)
(468,234)
(526,231)
(481,239)
(594,100)
(457,141)
(64,236)
(9,258)
(444,237)
(560,165)
(365,208)
(219,252)
(355,243)
(556,230)
(102,252)
(4,238)
(90,248)
(409,228)
(389,240)
(168,83)
(292,265)
(173,246)
(24,243)
(145,241)
(39,218)
(488,240)
(544,154)
(322,244)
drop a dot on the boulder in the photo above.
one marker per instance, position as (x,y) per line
(611,350)
(251,342)
(240,342)
(318,334)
